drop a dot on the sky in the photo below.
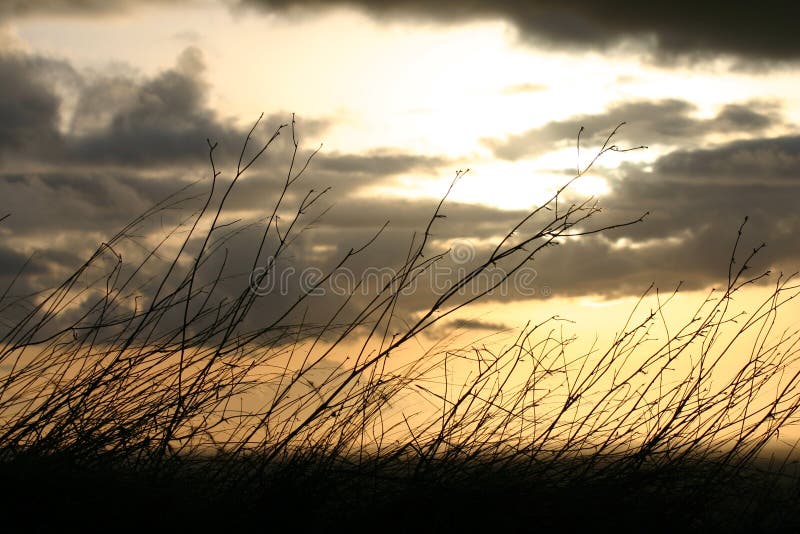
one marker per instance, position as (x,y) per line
(106,108)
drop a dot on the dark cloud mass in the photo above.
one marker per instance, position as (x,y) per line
(761,31)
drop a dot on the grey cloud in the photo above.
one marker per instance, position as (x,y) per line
(83,198)
(477,324)
(82,209)
(341,174)
(163,120)
(29,109)
(745,162)
(597,267)
(697,200)
(687,191)
(119,119)
(11,261)
(667,122)
(98,180)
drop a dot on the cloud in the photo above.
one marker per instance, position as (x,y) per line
(53,114)
(116,119)
(769,161)
(648,122)
(711,190)
(762,32)
(697,200)
(158,121)
(124,142)
(81,201)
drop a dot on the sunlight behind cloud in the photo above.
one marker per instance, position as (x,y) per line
(497,184)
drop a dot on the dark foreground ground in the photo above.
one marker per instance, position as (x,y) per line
(54,495)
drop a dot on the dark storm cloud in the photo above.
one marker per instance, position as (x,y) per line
(349,226)
(106,199)
(762,31)
(666,122)
(126,121)
(697,200)
(709,191)
(11,261)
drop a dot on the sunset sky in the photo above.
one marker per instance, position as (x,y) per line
(105,108)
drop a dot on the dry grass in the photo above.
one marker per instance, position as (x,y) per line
(148,399)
